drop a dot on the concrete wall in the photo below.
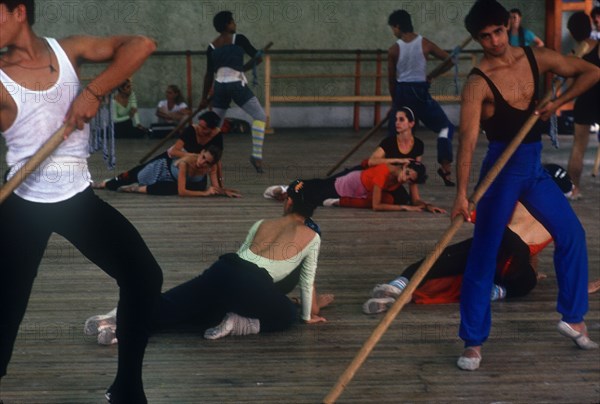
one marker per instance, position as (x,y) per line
(180,25)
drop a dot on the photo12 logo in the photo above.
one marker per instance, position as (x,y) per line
(273,11)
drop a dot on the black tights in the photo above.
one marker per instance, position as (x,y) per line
(107,239)
(230,285)
(513,270)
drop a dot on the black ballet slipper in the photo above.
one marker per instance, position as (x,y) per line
(445,177)
(257,164)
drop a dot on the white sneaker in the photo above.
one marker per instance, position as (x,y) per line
(377,305)
(331,202)
(95,323)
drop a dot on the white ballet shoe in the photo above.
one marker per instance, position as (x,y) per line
(378,305)
(95,323)
(329,202)
(107,336)
(233,324)
(579,338)
(275,191)
(386,290)
(466,363)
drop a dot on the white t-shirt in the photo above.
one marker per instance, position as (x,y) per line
(163,106)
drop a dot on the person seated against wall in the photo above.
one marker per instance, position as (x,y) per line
(518,35)
(169,112)
(124,112)
(245,293)
(378,188)
(516,265)
(186,176)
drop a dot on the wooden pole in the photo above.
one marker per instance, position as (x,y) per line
(360,143)
(426,265)
(439,68)
(33,163)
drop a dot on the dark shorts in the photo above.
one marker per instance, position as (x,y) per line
(587,107)
(225,92)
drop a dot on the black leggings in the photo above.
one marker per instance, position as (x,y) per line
(107,239)
(231,284)
(158,188)
(131,176)
(317,190)
(519,278)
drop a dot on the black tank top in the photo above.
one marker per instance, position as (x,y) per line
(506,122)
(593,58)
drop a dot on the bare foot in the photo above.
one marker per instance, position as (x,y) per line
(324,300)
(594,286)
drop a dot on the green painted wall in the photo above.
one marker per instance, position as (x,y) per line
(180,25)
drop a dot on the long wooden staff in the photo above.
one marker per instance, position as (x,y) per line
(439,68)
(33,163)
(174,132)
(435,72)
(426,265)
(366,137)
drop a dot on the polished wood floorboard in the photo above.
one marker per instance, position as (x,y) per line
(525,359)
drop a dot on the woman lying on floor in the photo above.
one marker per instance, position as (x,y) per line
(186,176)
(246,291)
(516,265)
(378,188)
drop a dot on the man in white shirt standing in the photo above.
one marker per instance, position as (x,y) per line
(58,198)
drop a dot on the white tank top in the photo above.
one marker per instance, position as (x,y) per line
(39,114)
(411,64)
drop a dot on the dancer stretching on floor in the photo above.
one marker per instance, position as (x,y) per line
(516,265)
(186,176)
(247,290)
(378,188)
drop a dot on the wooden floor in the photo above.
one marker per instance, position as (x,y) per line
(525,360)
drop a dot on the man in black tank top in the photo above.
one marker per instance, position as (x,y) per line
(587,106)
(499,97)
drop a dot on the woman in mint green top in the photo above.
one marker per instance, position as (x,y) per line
(124,112)
(246,291)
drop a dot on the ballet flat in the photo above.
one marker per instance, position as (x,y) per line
(445,177)
(465,363)
(257,164)
(579,338)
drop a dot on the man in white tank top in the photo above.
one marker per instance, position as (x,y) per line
(409,86)
(39,91)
